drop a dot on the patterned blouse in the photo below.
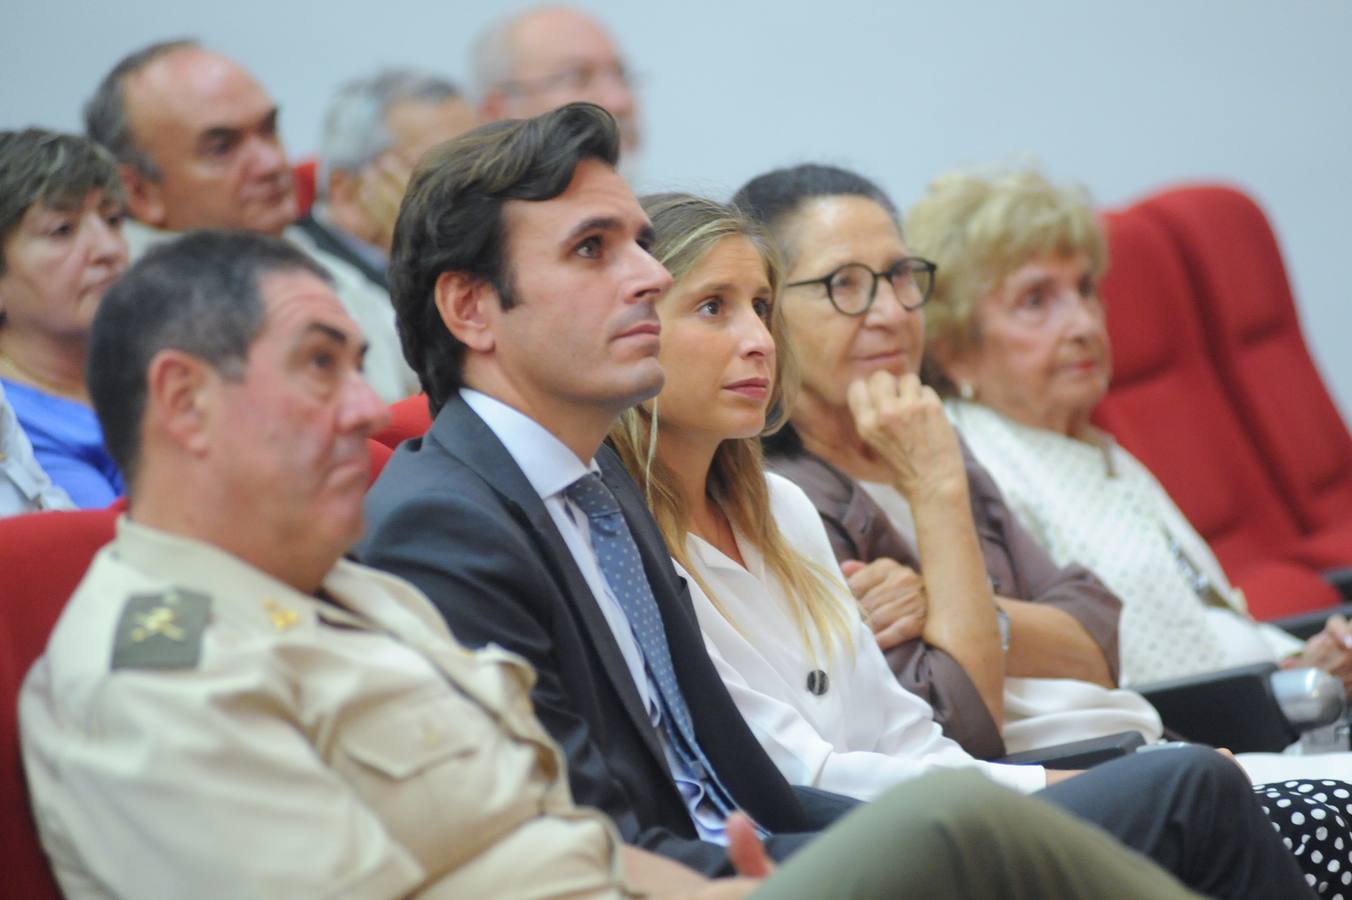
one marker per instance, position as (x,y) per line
(1097,505)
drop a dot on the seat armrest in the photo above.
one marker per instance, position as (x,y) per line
(1232,708)
(1340,578)
(1307,625)
(1079,754)
(1309,698)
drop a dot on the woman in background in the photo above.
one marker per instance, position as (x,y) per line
(61,247)
(1021,352)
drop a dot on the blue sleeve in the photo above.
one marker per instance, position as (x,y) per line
(89,486)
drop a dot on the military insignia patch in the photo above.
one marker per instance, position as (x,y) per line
(162,630)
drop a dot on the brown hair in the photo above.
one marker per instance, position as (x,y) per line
(451,220)
(56,170)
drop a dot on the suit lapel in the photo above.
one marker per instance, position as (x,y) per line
(466,437)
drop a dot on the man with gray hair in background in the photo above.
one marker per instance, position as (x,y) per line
(197,143)
(375,129)
(547,56)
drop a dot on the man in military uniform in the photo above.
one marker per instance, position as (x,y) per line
(227,708)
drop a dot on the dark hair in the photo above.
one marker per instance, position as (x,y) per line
(451,221)
(773,197)
(105,113)
(200,294)
(55,170)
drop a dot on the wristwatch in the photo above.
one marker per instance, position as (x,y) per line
(1002,622)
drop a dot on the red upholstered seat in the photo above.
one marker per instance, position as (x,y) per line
(43,557)
(1328,548)
(380,454)
(305,176)
(1166,406)
(1240,285)
(409,418)
(1277,588)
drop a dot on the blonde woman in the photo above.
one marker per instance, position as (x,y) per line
(776,615)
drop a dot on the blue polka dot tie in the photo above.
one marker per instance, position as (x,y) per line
(623,570)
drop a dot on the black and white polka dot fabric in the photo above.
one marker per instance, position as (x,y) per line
(1314,819)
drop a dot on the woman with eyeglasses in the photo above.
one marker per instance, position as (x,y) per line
(777,617)
(1011,651)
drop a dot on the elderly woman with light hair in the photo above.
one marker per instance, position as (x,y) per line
(1018,346)
(61,247)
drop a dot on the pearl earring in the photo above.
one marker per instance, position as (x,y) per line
(965,390)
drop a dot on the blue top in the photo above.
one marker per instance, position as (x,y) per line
(68,444)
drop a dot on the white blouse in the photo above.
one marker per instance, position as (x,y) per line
(1100,507)
(866,733)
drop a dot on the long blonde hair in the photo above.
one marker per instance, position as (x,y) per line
(687,228)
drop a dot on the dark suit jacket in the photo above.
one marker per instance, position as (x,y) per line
(326,240)
(454,514)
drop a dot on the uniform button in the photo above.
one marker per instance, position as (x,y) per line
(432,736)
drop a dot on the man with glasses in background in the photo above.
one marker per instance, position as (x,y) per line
(542,58)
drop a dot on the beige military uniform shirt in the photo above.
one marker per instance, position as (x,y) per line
(198,729)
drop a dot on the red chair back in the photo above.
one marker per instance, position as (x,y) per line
(380,454)
(43,556)
(1239,282)
(305,177)
(1167,407)
(409,418)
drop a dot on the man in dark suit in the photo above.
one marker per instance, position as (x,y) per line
(525,296)
(477,517)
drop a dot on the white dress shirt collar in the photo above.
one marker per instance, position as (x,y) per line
(545,460)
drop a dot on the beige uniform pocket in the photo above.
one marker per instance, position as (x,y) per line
(445,778)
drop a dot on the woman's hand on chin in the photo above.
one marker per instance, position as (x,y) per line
(903,422)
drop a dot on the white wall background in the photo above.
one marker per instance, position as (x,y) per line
(1125,97)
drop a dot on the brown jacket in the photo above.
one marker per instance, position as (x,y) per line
(1018,568)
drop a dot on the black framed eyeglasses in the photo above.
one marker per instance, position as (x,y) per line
(851,288)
